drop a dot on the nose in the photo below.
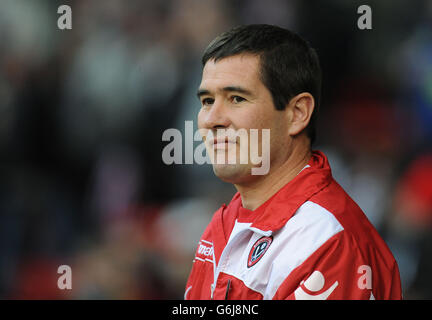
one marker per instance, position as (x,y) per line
(217,116)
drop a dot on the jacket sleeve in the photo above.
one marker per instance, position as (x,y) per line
(198,285)
(199,281)
(340,270)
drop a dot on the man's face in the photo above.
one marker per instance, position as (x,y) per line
(233,97)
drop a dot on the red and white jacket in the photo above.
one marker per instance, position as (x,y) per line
(309,241)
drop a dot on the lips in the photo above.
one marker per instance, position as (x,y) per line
(221,142)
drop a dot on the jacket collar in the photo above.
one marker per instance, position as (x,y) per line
(283,205)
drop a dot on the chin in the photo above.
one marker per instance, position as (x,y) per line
(232,173)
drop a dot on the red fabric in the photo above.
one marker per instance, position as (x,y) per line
(414,192)
(346,266)
(355,263)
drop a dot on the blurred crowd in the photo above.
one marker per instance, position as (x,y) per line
(82,112)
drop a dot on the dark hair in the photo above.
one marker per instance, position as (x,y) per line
(289,65)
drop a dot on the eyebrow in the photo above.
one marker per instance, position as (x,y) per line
(238,89)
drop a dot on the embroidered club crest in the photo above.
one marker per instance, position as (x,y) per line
(258,249)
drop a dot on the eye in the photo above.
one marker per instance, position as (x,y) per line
(207,101)
(237,99)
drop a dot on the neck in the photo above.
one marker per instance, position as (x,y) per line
(259,191)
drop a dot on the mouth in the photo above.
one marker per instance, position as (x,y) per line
(221,142)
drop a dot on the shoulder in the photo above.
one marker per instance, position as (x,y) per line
(315,242)
(357,227)
(311,227)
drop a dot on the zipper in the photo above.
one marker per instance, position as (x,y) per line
(222,258)
(212,291)
(227,289)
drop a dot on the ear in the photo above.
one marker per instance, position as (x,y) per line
(301,106)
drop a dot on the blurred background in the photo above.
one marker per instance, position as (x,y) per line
(82,112)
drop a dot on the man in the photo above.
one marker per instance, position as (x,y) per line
(292,233)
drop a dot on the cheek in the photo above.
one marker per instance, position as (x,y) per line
(264,116)
(201,128)
(279,132)
(251,120)
(200,119)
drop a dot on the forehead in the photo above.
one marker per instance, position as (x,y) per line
(231,71)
